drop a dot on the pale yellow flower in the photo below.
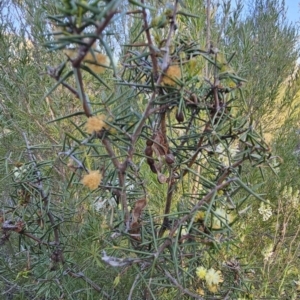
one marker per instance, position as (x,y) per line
(173,73)
(265,210)
(291,197)
(199,216)
(201,272)
(213,288)
(97,62)
(297,283)
(268,252)
(213,277)
(200,292)
(95,123)
(220,193)
(97,58)
(92,180)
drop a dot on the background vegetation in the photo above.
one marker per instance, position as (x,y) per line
(149,150)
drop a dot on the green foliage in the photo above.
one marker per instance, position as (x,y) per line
(132,165)
(260,41)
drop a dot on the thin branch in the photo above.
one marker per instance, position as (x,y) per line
(55,74)
(150,44)
(87,280)
(165,63)
(70,88)
(148,110)
(180,287)
(133,286)
(208,34)
(196,207)
(83,50)
(44,195)
(208,42)
(139,127)
(168,204)
(111,153)
(83,97)
(121,177)
(34,238)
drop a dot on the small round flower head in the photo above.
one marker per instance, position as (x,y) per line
(201,272)
(173,73)
(95,123)
(213,288)
(265,210)
(20,172)
(213,277)
(97,58)
(92,180)
(268,252)
(199,216)
(297,283)
(97,62)
(200,292)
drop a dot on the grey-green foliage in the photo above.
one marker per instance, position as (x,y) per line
(25,113)
(266,50)
(55,247)
(280,233)
(266,53)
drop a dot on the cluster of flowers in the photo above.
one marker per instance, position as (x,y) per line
(212,278)
(291,196)
(268,252)
(20,171)
(265,210)
(95,124)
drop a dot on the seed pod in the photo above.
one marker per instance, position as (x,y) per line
(170,158)
(153,168)
(179,116)
(149,151)
(161,178)
(151,164)
(194,98)
(149,143)
(150,161)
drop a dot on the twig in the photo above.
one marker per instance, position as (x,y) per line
(196,207)
(150,43)
(148,110)
(85,48)
(111,153)
(208,41)
(34,238)
(83,97)
(121,176)
(55,74)
(133,286)
(169,198)
(181,288)
(87,280)
(44,196)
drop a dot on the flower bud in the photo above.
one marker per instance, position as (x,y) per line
(179,117)
(170,159)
